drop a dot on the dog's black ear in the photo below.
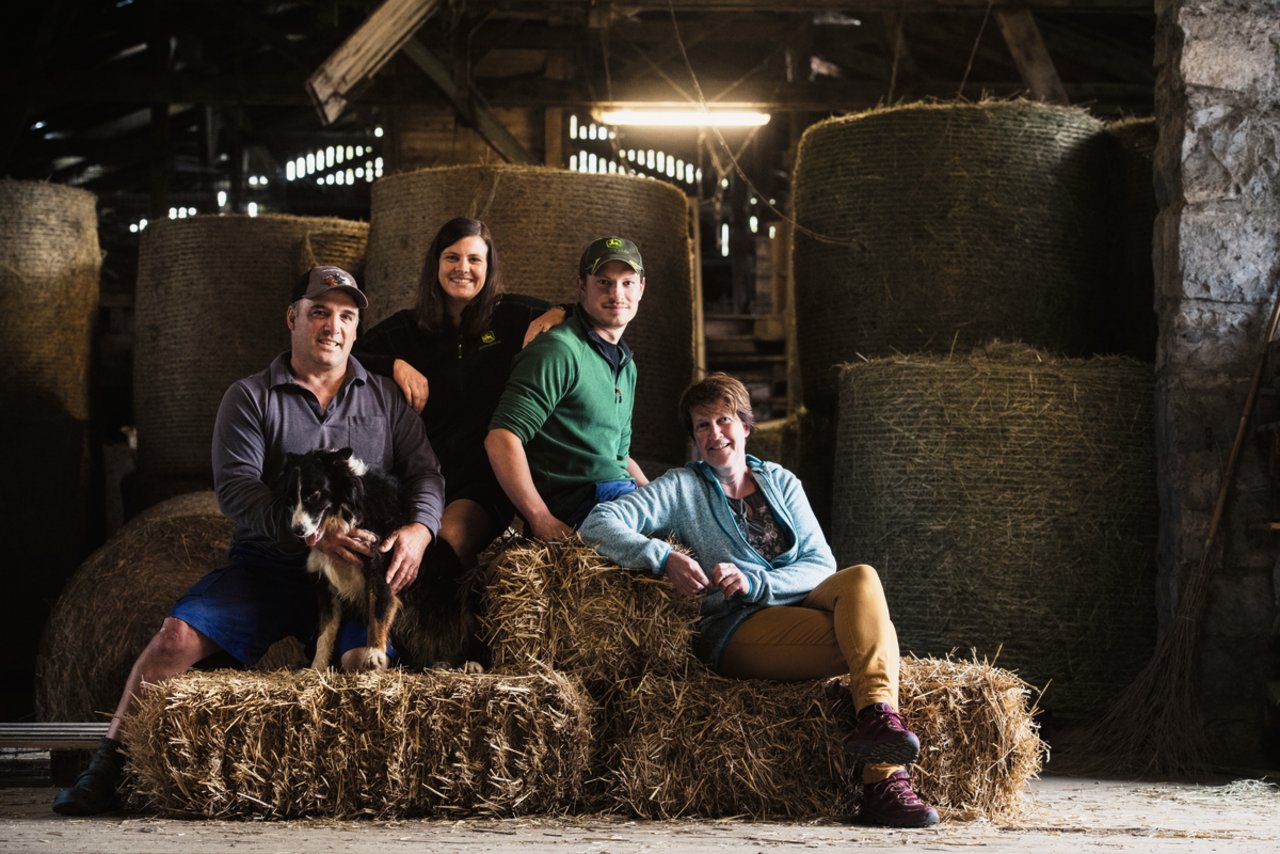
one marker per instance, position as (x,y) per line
(344,453)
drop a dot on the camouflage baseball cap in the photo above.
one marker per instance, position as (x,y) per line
(319,280)
(605,249)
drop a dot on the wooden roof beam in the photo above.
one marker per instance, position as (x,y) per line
(464,102)
(1026,45)
(364,53)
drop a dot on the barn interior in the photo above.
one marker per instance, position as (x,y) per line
(1000,278)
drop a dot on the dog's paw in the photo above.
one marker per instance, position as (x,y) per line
(372,658)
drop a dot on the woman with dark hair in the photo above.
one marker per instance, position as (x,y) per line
(773,604)
(450,355)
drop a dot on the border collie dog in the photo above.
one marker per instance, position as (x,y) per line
(432,622)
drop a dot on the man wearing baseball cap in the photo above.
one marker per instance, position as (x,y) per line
(560,439)
(314,395)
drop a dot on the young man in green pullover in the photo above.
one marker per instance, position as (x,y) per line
(560,439)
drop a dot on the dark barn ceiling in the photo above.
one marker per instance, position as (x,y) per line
(153,104)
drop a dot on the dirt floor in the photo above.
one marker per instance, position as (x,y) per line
(1064,814)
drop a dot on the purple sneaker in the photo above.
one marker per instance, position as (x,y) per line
(893,803)
(881,735)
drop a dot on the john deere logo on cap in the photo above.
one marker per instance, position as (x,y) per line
(613,243)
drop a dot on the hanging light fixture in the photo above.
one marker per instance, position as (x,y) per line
(643,116)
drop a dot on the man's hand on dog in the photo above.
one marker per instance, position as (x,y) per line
(408,543)
(354,547)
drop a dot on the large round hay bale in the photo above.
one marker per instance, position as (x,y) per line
(1126,315)
(49,268)
(541,220)
(210,309)
(379,745)
(1008,500)
(702,745)
(934,228)
(117,600)
(49,271)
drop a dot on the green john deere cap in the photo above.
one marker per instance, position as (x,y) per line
(605,249)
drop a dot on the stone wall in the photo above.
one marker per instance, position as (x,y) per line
(1217,268)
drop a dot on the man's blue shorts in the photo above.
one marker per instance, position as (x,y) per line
(258,598)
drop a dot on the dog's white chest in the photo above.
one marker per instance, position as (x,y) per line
(346,580)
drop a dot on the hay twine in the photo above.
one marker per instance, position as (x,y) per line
(382,745)
(541,220)
(1007,499)
(562,605)
(704,745)
(194,338)
(49,270)
(946,225)
(117,600)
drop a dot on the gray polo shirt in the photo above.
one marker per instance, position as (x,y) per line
(268,415)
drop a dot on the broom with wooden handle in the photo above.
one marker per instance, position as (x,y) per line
(1154,726)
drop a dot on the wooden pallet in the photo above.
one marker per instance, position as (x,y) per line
(61,735)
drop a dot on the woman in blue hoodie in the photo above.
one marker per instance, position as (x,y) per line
(774,606)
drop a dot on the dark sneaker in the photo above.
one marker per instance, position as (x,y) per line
(881,736)
(893,803)
(94,791)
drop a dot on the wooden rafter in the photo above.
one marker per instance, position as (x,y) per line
(364,52)
(477,115)
(1026,45)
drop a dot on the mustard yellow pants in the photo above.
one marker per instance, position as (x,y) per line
(841,627)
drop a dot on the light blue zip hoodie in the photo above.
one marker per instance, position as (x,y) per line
(689,504)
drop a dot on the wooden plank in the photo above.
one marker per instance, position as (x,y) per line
(699,317)
(1030,55)
(62,735)
(364,53)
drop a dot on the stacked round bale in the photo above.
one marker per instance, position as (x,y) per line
(1008,500)
(210,309)
(541,220)
(939,227)
(91,640)
(673,739)
(49,271)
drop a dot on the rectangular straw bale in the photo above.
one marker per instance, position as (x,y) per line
(980,743)
(563,605)
(704,745)
(387,745)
